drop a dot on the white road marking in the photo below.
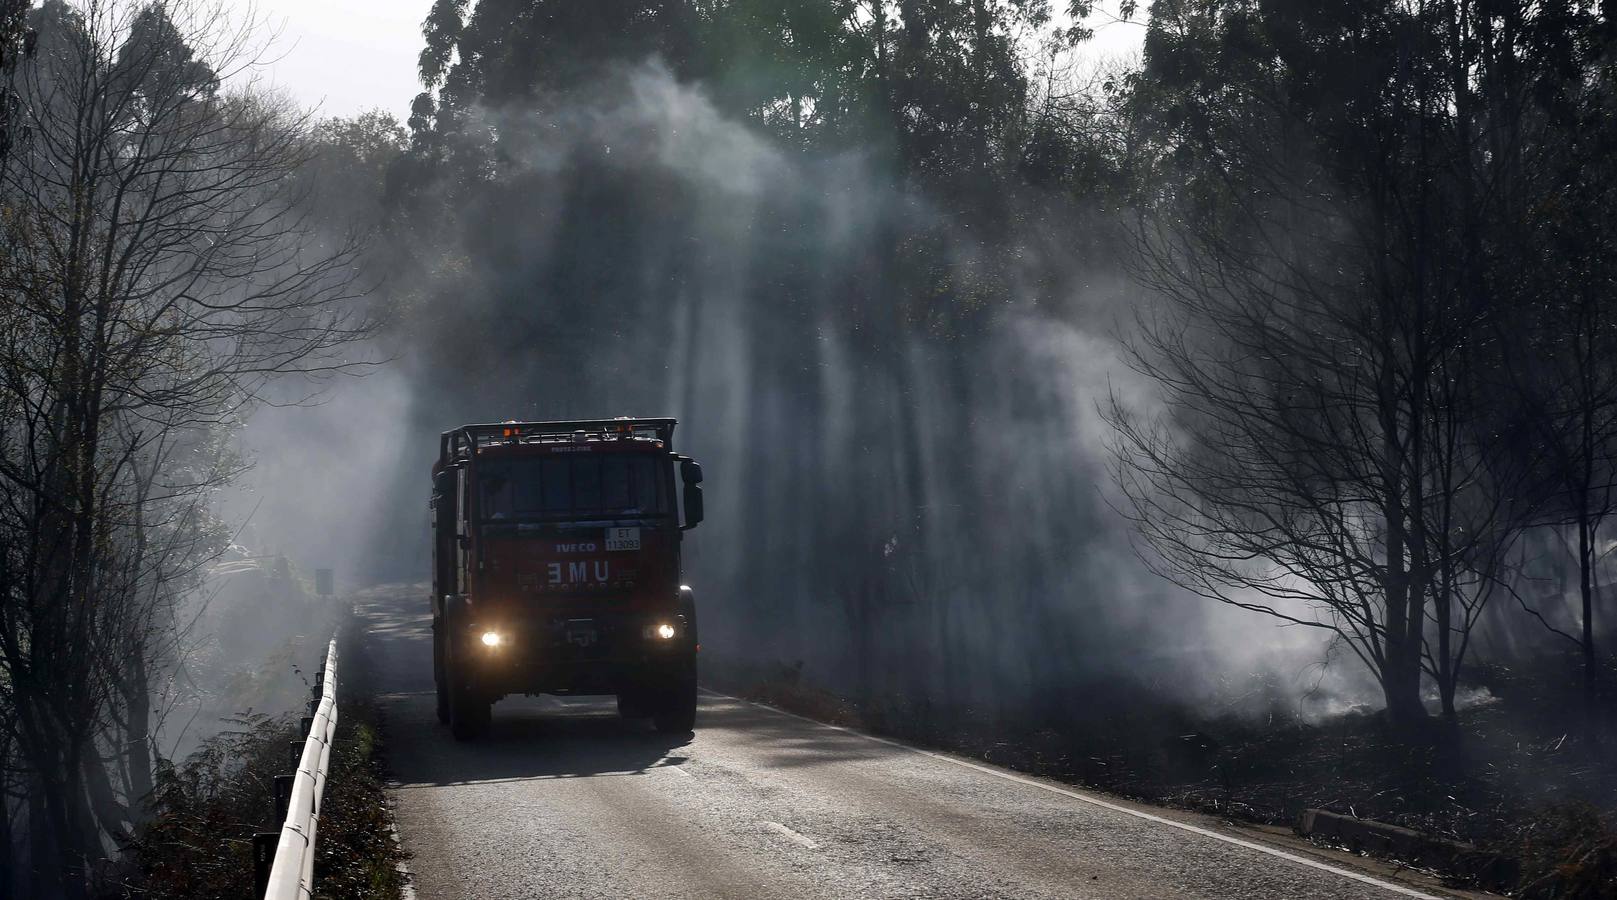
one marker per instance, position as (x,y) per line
(407,889)
(1096,801)
(791,835)
(677,770)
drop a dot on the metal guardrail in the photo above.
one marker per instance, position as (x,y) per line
(288,873)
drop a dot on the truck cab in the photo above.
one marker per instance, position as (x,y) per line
(556,568)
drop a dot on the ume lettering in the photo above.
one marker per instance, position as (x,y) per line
(597,571)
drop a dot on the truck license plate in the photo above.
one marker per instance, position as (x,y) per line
(581,635)
(623,538)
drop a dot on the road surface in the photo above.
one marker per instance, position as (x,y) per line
(564,799)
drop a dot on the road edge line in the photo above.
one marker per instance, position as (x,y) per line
(1096,801)
(407,890)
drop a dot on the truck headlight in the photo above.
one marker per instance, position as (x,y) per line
(492,639)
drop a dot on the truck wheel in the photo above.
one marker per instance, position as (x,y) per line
(687,608)
(469,714)
(676,714)
(438,679)
(469,711)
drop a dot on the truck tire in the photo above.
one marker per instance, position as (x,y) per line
(676,705)
(469,711)
(438,680)
(687,608)
(676,711)
(469,715)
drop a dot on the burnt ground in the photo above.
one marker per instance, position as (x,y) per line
(1529,774)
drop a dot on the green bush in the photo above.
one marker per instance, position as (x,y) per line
(198,845)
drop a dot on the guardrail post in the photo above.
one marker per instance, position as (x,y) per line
(283,795)
(294,751)
(263,856)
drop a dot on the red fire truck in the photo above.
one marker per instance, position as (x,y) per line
(556,568)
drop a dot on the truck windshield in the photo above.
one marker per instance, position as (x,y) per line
(609,486)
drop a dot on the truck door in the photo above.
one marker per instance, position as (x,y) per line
(445,515)
(462,531)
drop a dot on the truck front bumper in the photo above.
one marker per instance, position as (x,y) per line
(600,654)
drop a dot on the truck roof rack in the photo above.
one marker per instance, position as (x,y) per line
(455,443)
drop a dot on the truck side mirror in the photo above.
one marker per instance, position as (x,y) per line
(693,505)
(690,472)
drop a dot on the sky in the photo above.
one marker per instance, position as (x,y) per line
(349,56)
(345,56)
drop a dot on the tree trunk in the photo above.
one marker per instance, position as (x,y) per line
(1400,670)
(1400,673)
(979,54)
(1586,590)
(109,815)
(61,859)
(79,831)
(8,863)
(1448,675)
(41,843)
(137,750)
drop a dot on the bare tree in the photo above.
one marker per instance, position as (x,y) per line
(1564,359)
(158,273)
(1337,448)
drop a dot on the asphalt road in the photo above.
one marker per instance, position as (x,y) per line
(564,799)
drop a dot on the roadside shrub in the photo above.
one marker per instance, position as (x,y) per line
(1569,853)
(198,845)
